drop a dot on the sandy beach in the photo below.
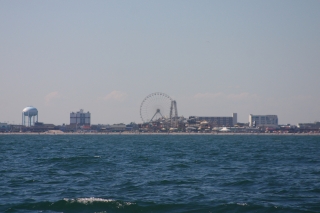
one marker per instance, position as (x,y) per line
(58,132)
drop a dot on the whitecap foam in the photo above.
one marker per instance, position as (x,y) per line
(94,199)
(88,200)
(242,204)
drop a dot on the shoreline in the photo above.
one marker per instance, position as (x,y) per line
(155,133)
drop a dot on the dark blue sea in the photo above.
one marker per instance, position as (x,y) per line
(159,173)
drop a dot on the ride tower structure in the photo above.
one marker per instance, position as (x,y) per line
(174,115)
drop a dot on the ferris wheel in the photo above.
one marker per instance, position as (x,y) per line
(155,106)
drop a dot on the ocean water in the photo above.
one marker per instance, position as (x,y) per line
(159,173)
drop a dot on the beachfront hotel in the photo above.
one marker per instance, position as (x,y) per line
(80,118)
(215,121)
(263,120)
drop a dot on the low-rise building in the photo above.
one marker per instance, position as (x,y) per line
(313,126)
(4,127)
(263,120)
(117,127)
(214,121)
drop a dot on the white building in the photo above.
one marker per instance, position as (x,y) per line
(80,118)
(215,121)
(263,120)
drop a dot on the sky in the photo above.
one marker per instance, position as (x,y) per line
(213,57)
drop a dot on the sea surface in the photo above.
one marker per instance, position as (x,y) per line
(159,173)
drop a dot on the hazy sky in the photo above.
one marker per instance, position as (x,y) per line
(213,57)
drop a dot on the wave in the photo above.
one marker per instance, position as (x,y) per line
(73,205)
(99,205)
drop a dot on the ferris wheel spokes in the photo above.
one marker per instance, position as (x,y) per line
(159,106)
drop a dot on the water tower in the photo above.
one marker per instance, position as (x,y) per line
(31,113)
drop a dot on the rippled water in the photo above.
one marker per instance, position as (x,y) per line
(159,173)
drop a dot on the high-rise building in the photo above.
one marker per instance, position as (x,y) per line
(263,120)
(80,118)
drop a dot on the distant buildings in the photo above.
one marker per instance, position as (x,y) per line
(81,122)
(4,127)
(315,125)
(80,118)
(215,121)
(263,120)
(117,127)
